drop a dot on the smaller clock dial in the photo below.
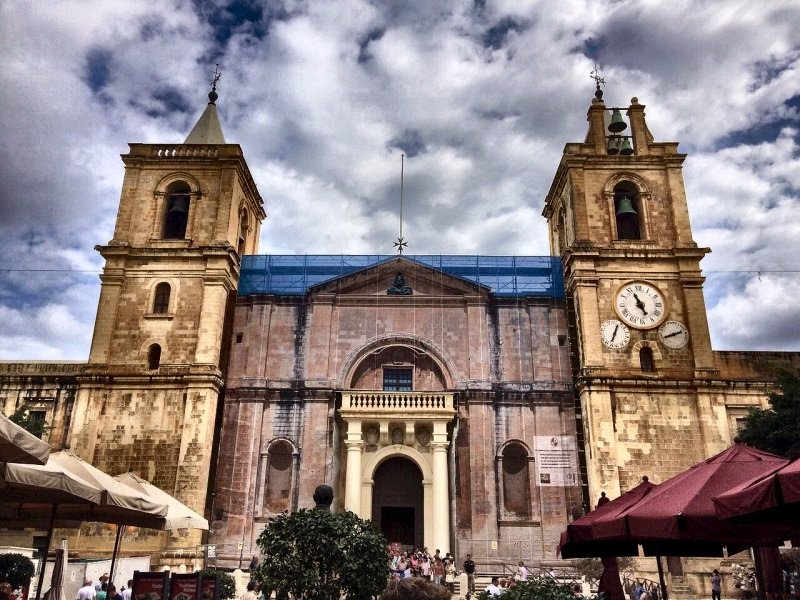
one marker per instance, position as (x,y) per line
(615,334)
(640,305)
(674,334)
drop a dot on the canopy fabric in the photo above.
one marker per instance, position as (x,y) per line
(681,510)
(178,516)
(580,540)
(20,446)
(772,496)
(68,489)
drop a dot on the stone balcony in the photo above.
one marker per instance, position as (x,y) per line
(397,405)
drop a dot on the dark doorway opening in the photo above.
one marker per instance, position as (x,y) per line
(397,501)
(397,524)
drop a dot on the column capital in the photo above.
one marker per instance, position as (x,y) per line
(354,445)
(440,446)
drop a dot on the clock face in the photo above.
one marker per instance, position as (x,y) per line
(615,334)
(674,334)
(640,305)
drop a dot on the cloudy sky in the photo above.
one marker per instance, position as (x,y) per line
(480,95)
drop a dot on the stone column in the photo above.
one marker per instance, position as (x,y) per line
(441,512)
(352,490)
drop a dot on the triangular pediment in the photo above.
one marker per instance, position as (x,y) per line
(415,280)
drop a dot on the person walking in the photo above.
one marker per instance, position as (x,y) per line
(716,585)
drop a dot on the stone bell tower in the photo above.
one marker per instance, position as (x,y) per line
(618,217)
(187,214)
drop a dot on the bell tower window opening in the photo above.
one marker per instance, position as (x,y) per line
(646,360)
(627,211)
(153,357)
(397,380)
(243,226)
(177,215)
(161,299)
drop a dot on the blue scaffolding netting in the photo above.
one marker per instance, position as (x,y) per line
(506,276)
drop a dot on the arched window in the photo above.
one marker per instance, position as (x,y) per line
(646,359)
(177,207)
(562,232)
(153,357)
(161,299)
(627,211)
(243,225)
(516,499)
(279,477)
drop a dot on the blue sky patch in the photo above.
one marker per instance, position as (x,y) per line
(410,142)
(97,72)
(495,37)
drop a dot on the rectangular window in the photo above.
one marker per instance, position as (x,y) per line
(36,420)
(397,380)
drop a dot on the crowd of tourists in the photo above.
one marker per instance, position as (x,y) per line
(440,570)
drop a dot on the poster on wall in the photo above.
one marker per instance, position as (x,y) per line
(149,585)
(185,587)
(210,588)
(556,460)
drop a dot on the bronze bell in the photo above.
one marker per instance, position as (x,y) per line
(625,147)
(613,145)
(179,204)
(617,124)
(625,207)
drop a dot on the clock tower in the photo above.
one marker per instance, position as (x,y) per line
(618,218)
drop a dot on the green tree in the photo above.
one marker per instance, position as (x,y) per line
(320,555)
(777,428)
(592,568)
(16,569)
(537,588)
(225,583)
(22,417)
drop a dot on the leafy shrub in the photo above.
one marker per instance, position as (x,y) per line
(320,555)
(225,583)
(16,569)
(537,588)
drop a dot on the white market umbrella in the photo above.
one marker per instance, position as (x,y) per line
(67,490)
(179,516)
(20,446)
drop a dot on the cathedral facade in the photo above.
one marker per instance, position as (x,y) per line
(472,404)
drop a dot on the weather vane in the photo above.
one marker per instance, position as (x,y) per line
(217,74)
(212,95)
(595,74)
(400,244)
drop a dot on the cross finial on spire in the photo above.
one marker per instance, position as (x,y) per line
(400,244)
(212,95)
(595,74)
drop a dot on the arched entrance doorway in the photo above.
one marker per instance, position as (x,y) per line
(397,501)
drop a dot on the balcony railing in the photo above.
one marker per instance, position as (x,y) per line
(408,403)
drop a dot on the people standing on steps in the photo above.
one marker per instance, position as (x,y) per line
(469,569)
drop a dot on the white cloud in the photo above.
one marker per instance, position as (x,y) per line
(317,128)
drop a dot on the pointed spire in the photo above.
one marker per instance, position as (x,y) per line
(207,130)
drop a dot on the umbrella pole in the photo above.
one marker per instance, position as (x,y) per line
(114,555)
(46,550)
(661,578)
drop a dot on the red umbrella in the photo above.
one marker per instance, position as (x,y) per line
(579,540)
(678,516)
(765,499)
